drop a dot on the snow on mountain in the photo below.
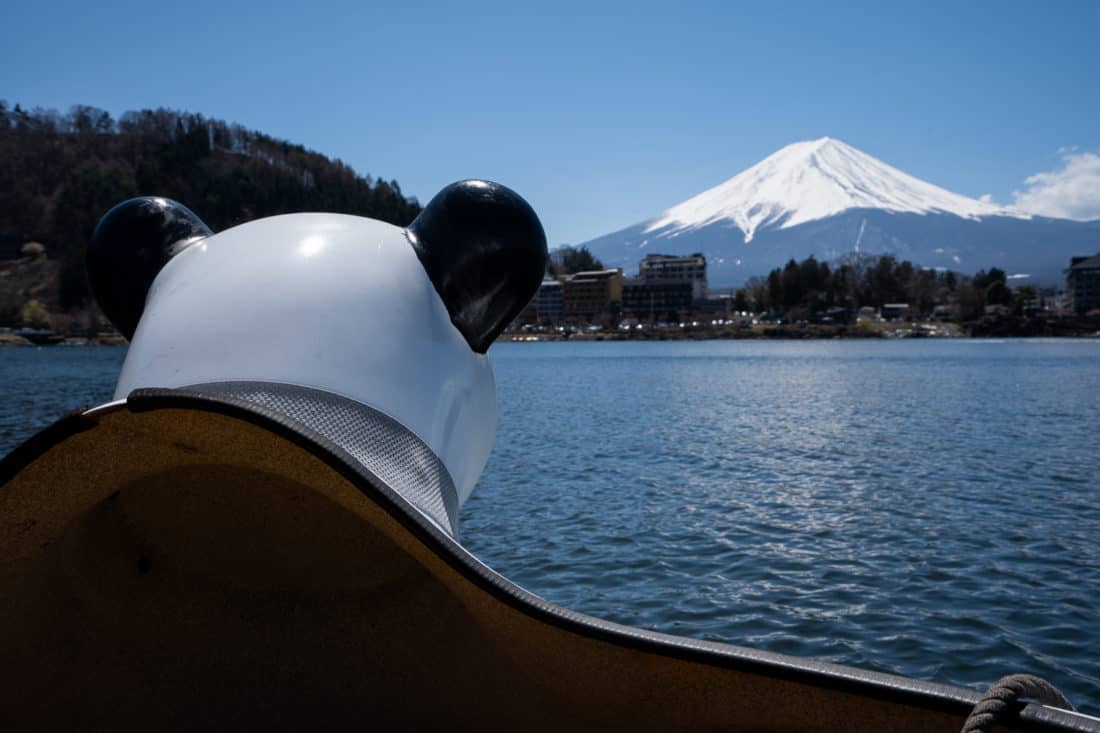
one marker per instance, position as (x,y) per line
(813,180)
(826,199)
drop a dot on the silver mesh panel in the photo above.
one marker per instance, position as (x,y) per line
(381,444)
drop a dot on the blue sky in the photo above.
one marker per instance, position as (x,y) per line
(599,114)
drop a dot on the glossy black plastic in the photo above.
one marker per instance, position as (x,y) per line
(130,245)
(485,251)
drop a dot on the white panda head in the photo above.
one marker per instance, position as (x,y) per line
(364,332)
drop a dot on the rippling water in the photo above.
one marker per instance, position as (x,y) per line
(39,385)
(930,508)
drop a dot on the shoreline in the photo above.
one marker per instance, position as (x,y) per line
(1011,327)
(17,341)
(1074,327)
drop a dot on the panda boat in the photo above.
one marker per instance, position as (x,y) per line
(260,531)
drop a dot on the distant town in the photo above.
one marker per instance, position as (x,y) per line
(859,296)
(62,171)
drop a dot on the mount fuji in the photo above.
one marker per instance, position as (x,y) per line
(827,199)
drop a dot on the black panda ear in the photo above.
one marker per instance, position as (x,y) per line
(484,251)
(130,245)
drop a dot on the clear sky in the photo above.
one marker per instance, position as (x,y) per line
(601,115)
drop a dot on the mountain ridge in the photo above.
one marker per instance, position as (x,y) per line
(59,173)
(809,180)
(803,199)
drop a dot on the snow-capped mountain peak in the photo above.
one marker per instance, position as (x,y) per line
(811,180)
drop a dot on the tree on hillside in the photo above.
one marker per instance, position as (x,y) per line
(757,288)
(983,279)
(59,173)
(1024,299)
(741,300)
(998,294)
(34,315)
(566,260)
(807,288)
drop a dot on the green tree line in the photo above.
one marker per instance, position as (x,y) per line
(809,288)
(59,173)
(567,260)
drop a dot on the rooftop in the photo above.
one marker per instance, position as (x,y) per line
(1086,263)
(595,274)
(672,257)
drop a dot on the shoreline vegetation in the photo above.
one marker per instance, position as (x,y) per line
(859,296)
(1043,326)
(1039,326)
(19,338)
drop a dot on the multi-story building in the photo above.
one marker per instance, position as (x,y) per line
(655,301)
(549,300)
(592,293)
(657,268)
(1083,283)
(529,315)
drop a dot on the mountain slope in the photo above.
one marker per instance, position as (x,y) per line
(59,173)
(825,198)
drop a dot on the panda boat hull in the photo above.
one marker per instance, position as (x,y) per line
(184,560)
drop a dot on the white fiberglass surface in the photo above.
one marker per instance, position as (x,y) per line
(334,302)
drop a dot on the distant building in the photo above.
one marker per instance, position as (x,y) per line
(692,269)
(653,301)
(549,300)
(894,311)
(592,293)
(529,315)
(837,314)
(714,305)
(1083,283)
(945,312)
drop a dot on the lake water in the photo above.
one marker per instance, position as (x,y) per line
(930,508)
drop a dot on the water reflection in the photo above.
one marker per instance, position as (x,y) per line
(923,508)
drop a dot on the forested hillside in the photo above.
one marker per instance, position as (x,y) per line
(59,173)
